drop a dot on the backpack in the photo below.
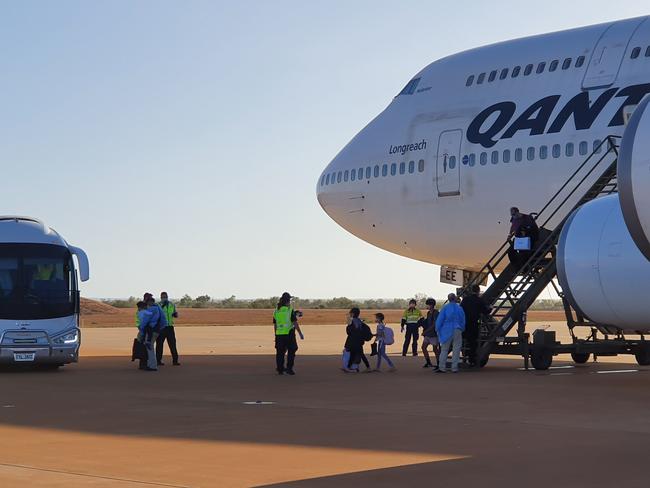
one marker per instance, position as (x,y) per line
(366,333)
(389,336)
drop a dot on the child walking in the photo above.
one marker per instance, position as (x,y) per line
(384,337)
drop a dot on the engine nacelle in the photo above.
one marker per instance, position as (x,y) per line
(633,172)
(600,268)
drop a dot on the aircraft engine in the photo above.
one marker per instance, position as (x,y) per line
(600,268)
(633,172)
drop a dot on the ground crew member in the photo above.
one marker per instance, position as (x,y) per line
(411,320)
(285,324)
(167,334)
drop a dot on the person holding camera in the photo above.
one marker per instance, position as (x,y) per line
(285,324)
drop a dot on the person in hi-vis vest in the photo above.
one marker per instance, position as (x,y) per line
(285,324)
(168,333)
(411,320)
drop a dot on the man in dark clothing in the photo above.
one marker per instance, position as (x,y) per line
(358,333)
(430,336)
(521,225)
(473,306)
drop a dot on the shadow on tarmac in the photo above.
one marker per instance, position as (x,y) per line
(557,428)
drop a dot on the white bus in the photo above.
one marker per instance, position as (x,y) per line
(39,294)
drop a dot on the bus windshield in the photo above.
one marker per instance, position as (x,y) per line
(36,282)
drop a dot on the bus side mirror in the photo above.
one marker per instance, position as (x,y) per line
(82,259)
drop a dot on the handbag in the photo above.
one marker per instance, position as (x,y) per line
(373,349)
(139,350)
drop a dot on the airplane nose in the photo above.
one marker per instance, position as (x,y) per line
(341,193)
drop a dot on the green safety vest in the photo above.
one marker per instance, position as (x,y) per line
(282,317)
(169,311)
(412,317)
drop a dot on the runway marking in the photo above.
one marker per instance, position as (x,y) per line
(611,371)
(86,475)
(561,374)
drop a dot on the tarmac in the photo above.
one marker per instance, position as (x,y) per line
(225,419)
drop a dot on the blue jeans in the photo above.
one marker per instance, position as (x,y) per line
(381,353)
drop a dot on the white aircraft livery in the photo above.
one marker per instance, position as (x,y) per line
(433,176)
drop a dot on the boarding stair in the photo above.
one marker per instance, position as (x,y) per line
(514,287)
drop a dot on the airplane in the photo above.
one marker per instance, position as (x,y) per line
(434,175)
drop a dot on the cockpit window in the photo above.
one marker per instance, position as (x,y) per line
(410,87)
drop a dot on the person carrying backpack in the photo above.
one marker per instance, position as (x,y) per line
(384,337)
(358,333)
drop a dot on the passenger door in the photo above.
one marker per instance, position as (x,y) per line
(608,54)
(448,163)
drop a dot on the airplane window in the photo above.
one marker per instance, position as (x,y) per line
(322,180)
(583,148)
(530,154)
(506,156)
(411,166)
(470,80)
(495,157)
(580,61)
(384,170)
(346,175)
(493,75)
(452,162)
(566,64)
(483,159)
(368,172)
(528,70)
(635,52)
(410,87)
(376,171)
(543,152)
(540,67)
(553,66)
(339,176)
(360,174)
(353,175)
(421,165)
(647,52)
(519,154)
(480,79)
(597,146)
(472,160)
(402,168)
(393,169)
(327,179)
(557,150)
(515,71)
(569,149)
(504,74)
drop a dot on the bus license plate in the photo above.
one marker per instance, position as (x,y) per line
(24,356)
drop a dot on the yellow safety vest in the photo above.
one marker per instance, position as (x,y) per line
(282,317)
(412,317)
(170,310)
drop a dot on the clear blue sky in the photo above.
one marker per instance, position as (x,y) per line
(180,143)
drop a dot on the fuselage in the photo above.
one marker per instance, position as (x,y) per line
(433,176)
